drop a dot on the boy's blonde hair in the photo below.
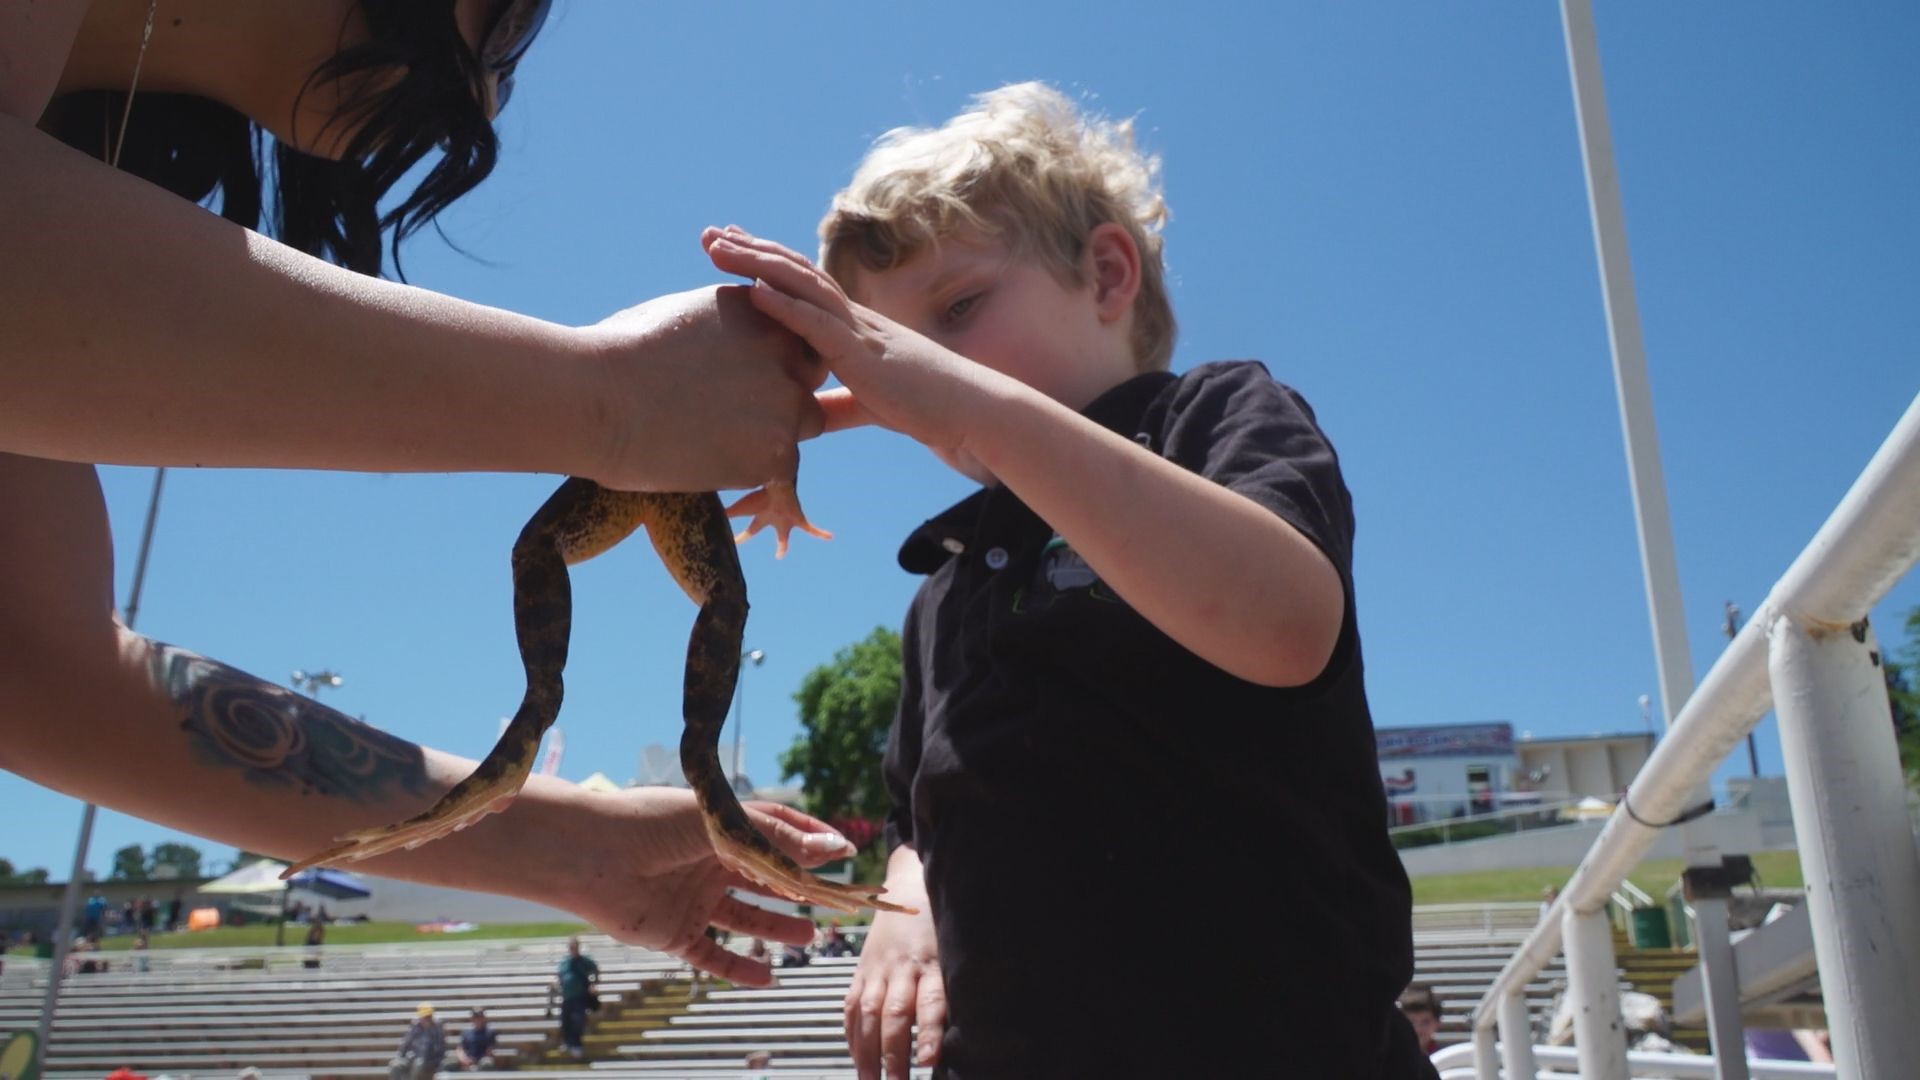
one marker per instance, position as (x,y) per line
(1024,166)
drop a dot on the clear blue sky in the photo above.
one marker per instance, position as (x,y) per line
(1383,201)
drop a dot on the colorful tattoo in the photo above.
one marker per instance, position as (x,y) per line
(280,739)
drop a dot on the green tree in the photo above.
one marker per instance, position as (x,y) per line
(129,864)
(178,861)
(1902,667)
(846,708)
(10,875)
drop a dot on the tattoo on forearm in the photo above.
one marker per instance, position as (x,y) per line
(281,739)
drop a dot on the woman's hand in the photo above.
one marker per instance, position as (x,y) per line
(701,392)
(648,876)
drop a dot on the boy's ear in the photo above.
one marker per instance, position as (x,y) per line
(1115,270)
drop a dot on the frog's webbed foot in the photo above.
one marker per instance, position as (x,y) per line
(747,852)
(776,505)
(578,522)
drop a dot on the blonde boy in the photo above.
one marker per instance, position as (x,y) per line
(1136,795)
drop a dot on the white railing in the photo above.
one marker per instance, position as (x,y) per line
(1809,653)
(1842,776)
(1559,1063)
(1486,919)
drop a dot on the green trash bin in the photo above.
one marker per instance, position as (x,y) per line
(1648,929)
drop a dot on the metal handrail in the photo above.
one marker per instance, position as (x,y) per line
(1869,542)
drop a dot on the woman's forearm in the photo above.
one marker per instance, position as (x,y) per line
(136,328)
(175,738)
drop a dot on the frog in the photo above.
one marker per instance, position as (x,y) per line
(692,535)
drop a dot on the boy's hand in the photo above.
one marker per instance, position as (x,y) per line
(899,378)
(897,984)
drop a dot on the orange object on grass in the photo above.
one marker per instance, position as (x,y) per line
(205,918)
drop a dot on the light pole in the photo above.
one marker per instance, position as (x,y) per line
(315,681)
(63,930)
(757,657)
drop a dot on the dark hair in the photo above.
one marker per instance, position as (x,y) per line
(1420,997)
(194,147)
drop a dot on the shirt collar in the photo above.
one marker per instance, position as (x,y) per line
(946,534)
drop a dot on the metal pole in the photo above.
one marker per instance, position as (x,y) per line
(1485,1065)
(1516,1036)
(1646,478)
(757,657)
(1593,987)
(1732,629)
(1856,846)
(739,711)
(63,930)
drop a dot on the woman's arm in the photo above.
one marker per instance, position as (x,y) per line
(92,709)
(136,328)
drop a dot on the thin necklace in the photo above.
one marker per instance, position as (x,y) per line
(146,36)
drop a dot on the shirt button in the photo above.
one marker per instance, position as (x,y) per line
(996,558)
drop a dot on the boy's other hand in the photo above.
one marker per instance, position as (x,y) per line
(897,985)
(898,378)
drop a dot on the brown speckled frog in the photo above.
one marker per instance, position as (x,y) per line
(692,536)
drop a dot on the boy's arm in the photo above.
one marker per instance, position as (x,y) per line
(1227,578)
(1222,575)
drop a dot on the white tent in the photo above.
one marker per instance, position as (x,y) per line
(262,876)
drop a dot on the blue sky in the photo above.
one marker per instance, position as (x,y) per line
(1383,201)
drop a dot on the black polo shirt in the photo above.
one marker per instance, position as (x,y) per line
(1138,863)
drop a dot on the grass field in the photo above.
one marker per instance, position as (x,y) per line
(374,933)
(1775,868)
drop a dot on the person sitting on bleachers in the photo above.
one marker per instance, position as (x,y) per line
(421,1050)
(476,1043)
(1422,1009)
(836,943)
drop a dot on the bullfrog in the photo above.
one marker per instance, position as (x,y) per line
(692,536)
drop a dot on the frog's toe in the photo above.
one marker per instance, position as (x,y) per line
(766,866)
(776,506)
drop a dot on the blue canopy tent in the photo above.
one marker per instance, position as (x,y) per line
(263,876)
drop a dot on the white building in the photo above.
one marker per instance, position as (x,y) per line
(1455,770)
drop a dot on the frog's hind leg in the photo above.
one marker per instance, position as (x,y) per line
(694,540)
(580,521)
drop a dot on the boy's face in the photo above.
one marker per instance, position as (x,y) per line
(1010,314)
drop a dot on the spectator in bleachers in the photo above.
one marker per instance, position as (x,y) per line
(795,956)
(758,950)
(173,911)
(1421,1006)
(316,937)
(1547,896)
(141,962)
(836,942)
(759,1060)
(476,1043)
(576,981)
(422,1048)
(96,920)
